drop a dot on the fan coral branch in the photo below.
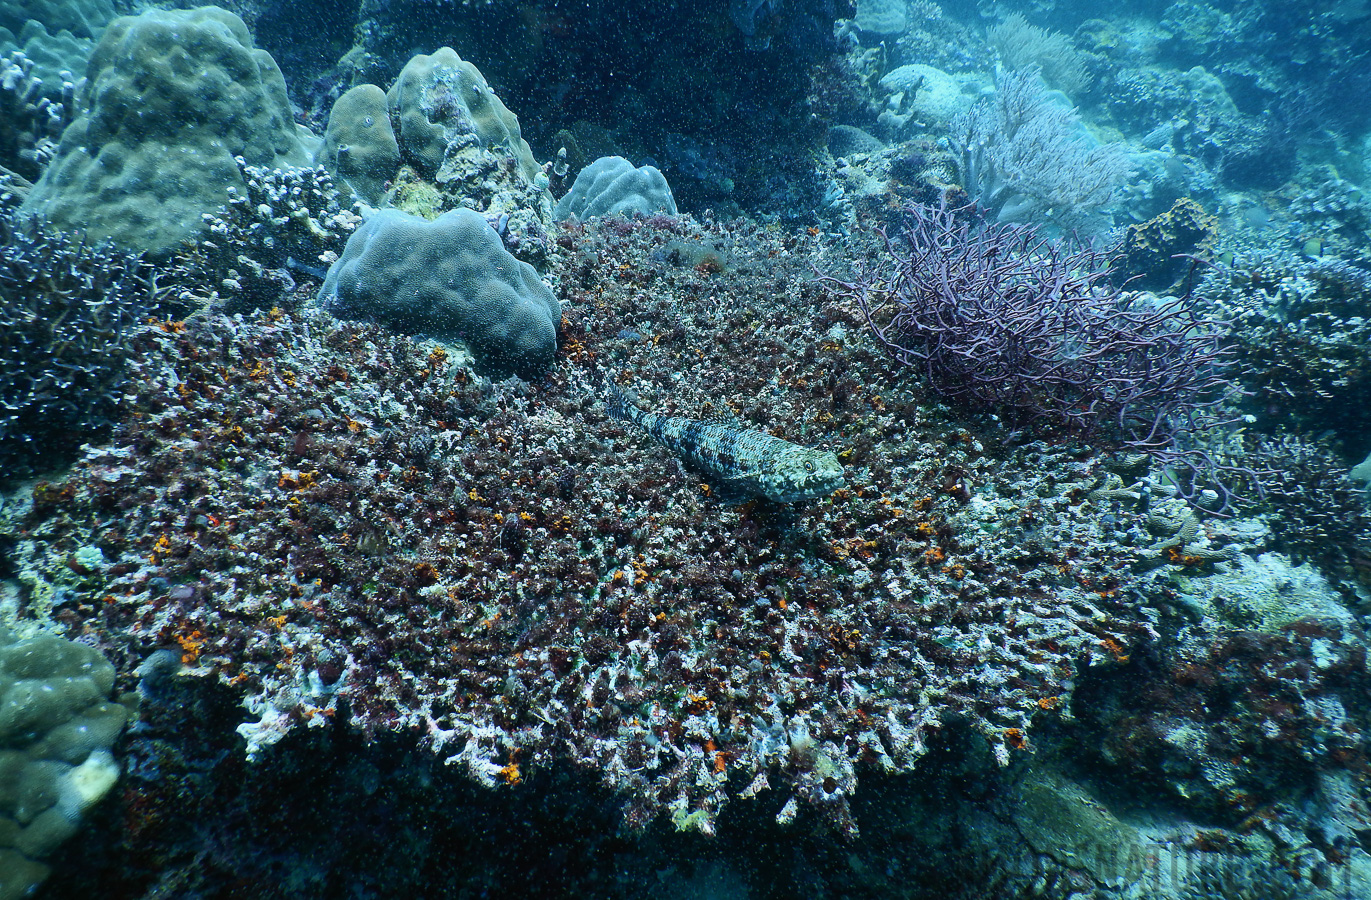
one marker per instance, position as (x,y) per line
(1000,316)
(1024,155)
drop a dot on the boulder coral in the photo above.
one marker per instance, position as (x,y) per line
(439,98)
(451,279)
(56,730)
(170,98)
(613,186)
(360,144)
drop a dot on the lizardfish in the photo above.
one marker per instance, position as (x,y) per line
(743,462)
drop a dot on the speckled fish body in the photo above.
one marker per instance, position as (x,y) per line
(743,461)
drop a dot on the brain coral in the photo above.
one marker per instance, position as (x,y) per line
(450,278)
(170,98)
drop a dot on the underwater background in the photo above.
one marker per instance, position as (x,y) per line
(748,449)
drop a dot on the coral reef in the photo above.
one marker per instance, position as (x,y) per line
(716,108)
(360,144)
(1191,113)
(879,16)
(460,147)
(56,730)
(286,220)
(58,58)
(33,120)
(1161,253)
(923,95)
(1022,46)
(873,188)
(406,608)
(1297,64)
(1265,594)
(332,517)
(170,98)
(196,820)
(1300,334)
(1235,878)
(66,309)
(1320,514)
(1336,208)
(83,18)
(847,140)
(1025,155)
(440,98)
(1244,728)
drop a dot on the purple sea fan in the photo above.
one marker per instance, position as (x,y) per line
(998,316)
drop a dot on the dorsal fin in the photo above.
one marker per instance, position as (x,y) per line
(620,403)
(720,413)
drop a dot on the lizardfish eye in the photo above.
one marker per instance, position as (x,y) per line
(809,466)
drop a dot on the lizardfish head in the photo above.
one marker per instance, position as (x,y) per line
(803,474)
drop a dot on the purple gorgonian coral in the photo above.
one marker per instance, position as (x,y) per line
(1000,317)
